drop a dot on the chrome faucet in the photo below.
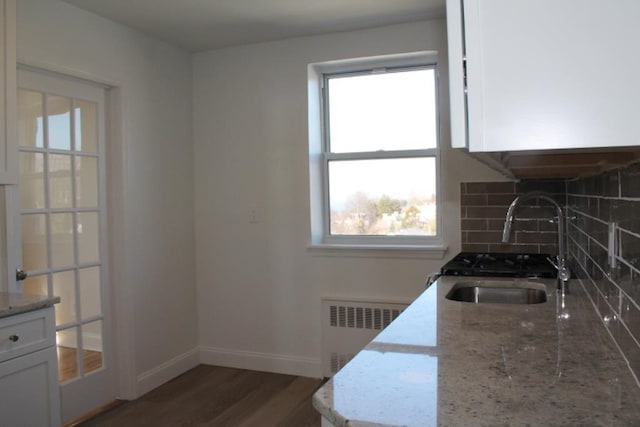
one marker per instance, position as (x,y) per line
(561,262)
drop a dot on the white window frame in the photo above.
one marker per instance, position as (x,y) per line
(320,156)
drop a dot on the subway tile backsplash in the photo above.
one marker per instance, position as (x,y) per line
(483,209)
(609,268)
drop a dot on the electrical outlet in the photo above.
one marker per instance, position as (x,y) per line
(254,217)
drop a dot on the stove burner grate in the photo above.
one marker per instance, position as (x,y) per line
(499,265)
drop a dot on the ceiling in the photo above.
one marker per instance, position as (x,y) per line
(198,25)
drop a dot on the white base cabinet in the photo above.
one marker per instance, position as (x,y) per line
(29,390)
(28,386)
(544,74)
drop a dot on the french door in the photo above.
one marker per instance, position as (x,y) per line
(59,208)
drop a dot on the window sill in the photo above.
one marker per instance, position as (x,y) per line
(378,251)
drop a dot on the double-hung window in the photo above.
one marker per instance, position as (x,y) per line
(380,155)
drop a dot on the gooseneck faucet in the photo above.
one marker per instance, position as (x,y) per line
(561,261)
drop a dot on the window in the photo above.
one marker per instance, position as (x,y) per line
(379,155)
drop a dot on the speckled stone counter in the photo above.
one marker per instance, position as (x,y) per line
(15,303)
(452,363)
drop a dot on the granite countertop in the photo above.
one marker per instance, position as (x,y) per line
(451,363)
(15,303)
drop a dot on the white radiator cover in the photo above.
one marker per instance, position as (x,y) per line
(348,325)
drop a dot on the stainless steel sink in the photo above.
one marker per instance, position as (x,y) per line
(496,292)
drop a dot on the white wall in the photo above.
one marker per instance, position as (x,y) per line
(151,168)
(259,286)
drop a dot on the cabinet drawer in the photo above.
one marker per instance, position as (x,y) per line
(26,332)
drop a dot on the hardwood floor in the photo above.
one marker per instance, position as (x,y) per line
(217,396)
(68,362)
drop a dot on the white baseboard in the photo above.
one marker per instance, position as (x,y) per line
(90,341)
(277,363)
(159,375)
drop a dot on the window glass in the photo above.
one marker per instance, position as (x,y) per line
(59,117)
(383,197)
(391,111)
(381,154)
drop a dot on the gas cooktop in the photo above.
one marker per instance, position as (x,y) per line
(499,265)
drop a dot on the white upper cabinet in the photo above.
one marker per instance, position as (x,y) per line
(8,107)
(544,74)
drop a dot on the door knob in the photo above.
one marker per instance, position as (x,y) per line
(20,274)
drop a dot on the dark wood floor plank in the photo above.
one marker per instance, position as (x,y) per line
(281,404)
(211,395)
(217,396)
(303,415)
(254,396)
(193,381)
(140,414)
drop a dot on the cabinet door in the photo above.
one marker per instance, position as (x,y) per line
(29,390)
(551,74)
(457,74)
(8,104)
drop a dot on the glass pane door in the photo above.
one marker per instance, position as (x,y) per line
(61,215)
(58,217)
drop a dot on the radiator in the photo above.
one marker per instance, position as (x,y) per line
(348,325)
